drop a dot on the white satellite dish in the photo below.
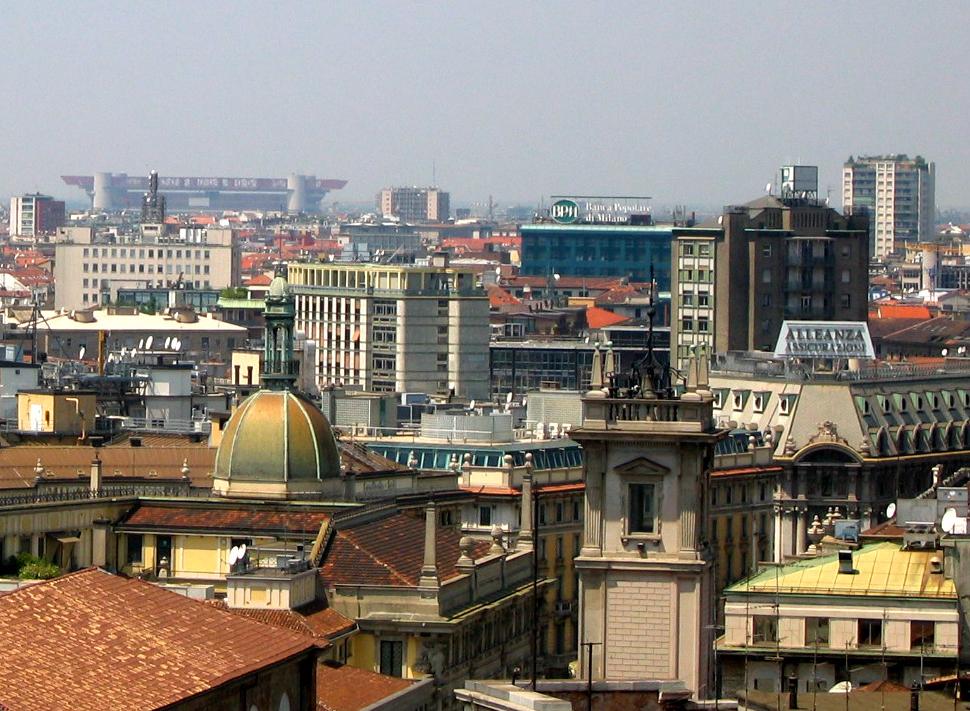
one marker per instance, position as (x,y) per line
(149,341)
(168,342)
(949,522)
(843,687)
(768,188)
(891,510)
(471,405)
(242,551)
(233,555)
(944,352)
(80,353)
(177,343)
(508,399)
(141,343)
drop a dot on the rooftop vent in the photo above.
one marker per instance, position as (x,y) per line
(845,562)
(936,566)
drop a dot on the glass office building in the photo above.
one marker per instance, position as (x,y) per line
(598,251)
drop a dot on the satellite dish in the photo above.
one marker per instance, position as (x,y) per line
(177,343)
(471,405)
(149,341)
(843,687)
(242,551)
(949,522)
(768,188)
(233,555)
(80,353)
(508,399)
(891,510)
(141,343)
(168,342)
(944,352)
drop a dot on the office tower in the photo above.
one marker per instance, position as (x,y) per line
(414,204)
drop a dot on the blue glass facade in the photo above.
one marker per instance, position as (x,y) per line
(598,251)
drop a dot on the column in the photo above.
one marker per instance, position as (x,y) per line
(429,569)
(593,503)
(688,501)
(801,533)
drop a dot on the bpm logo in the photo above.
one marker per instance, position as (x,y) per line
(564,211)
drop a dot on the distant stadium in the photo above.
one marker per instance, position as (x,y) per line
(120,191)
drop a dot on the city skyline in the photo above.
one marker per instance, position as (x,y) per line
(518,102)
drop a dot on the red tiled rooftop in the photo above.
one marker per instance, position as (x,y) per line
(390,551)
(345,688)
(315,619)
(884,310)
(497,296)
(601,318)
(91,640)
(256,518)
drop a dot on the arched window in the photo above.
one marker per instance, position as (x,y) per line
(284,703)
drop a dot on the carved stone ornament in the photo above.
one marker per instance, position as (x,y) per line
(827,432)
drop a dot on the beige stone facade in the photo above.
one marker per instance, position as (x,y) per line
(646,598)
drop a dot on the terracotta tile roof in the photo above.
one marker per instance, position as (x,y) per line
(915,311)
(316,619)
(71,463)
(357,458)
(510,491)
(345,688)
(621,295)
(259,280)
(497,296)
(390,551)
(92,640)
(601,318)
(210,516)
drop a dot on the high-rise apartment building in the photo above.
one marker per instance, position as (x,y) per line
(33,215)
(395,328)
(898,193)
(734,282)
(414,204)
(89,269)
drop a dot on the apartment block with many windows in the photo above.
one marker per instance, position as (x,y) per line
(90,269)
(899,195)
(395,328)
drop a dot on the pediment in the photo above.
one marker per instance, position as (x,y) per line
(641,466)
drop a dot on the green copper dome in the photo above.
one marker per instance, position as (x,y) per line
(277,436)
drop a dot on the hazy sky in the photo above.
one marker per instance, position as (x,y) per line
(518,100)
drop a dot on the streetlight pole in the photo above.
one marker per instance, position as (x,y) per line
(589,673)
(535,586)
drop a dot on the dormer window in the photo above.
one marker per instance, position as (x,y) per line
(719,395)
(740,399)
(760,402)
(786,403)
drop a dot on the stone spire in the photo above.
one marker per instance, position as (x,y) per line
(524,542)
(429,569)
(280,369)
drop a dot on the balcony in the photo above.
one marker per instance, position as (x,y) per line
(642,414)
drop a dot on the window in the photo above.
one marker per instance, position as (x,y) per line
(764,629)
(704,250)
(643,513)
(134,556)
(558,547)
(766,300)
(577,514)
(687,324)
(703,300)
(766,249)
(765,276)
(392,657)
(560,511)
(702,324)
(761,401)
(687,250)
(846,300)
(870,633)
(846,276)
(806,301)
(922,634)
(484,515)
(687,299)
(816,631)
